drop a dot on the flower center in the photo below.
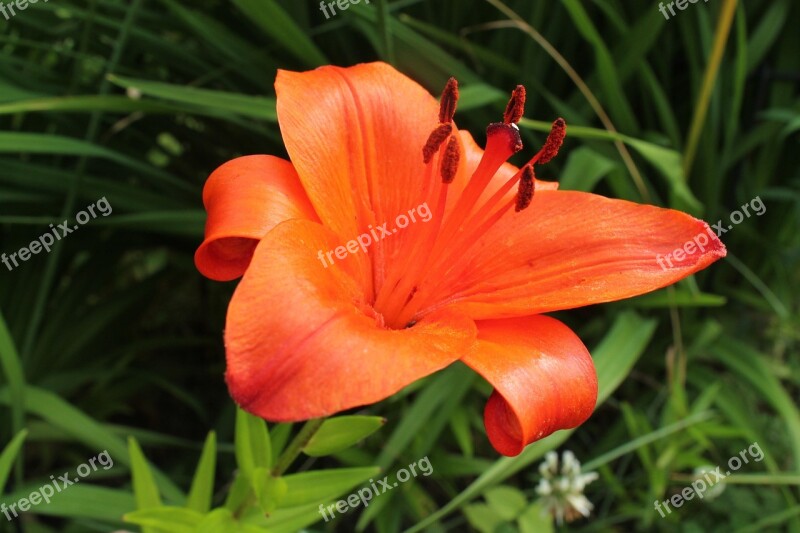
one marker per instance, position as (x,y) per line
(412,290)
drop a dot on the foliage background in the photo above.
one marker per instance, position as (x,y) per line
(114,334)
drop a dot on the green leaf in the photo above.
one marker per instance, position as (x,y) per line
(506,501)
(210,102)
(665,160)
(203,483)
(584,169)
(80,501)
(12,370)
(217,520)
(253,447)
(172,519)
(341,432)
(275,22)
(534,520)
(323,485)
(85,104)
(270,490)
(83,428)
(677,297)
(144,486)
(240,490)
(291,520)
(482,517)
(437,391)
(9,455)
(42,143)
(478,95)
(668,163)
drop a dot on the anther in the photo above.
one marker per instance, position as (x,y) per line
(452,155)
(553,142)
(526,188)
(448,101)
(516,106)
(435,140)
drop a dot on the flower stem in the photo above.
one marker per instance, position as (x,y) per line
(296,446)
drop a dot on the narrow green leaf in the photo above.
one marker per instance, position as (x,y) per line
(217,520)
(676,297)
(323,485)
(84,104)
(203,483)
(643,440)
(9,455)
(172,519)
(253,448)
(64,416)
(270,17)
(12,371)
(82,501)
(584,169)
(144,486)
(341,432)
(665,160)
(239,492)
(210,101)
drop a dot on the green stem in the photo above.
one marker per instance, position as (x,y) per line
(709,80)
(296,447)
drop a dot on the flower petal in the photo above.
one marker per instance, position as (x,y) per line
(245,198)
(543,376)
(301,342)
(355,136)
(571,249)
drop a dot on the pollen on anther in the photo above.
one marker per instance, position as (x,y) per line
(448,101)
(526,188)
(516,106)
(452,155)
(553,142)
(435,140)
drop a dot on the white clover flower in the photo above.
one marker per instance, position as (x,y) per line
(561,490)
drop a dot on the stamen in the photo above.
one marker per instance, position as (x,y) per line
(452,156)
(516,106)
(511,134)
(553,142)
(448,101)
(435,140)
(409,291)
(526,188)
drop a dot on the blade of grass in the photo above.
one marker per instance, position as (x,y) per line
(709,80)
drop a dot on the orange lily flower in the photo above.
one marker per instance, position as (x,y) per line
(306,339)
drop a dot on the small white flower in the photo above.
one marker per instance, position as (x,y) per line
(561,490)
